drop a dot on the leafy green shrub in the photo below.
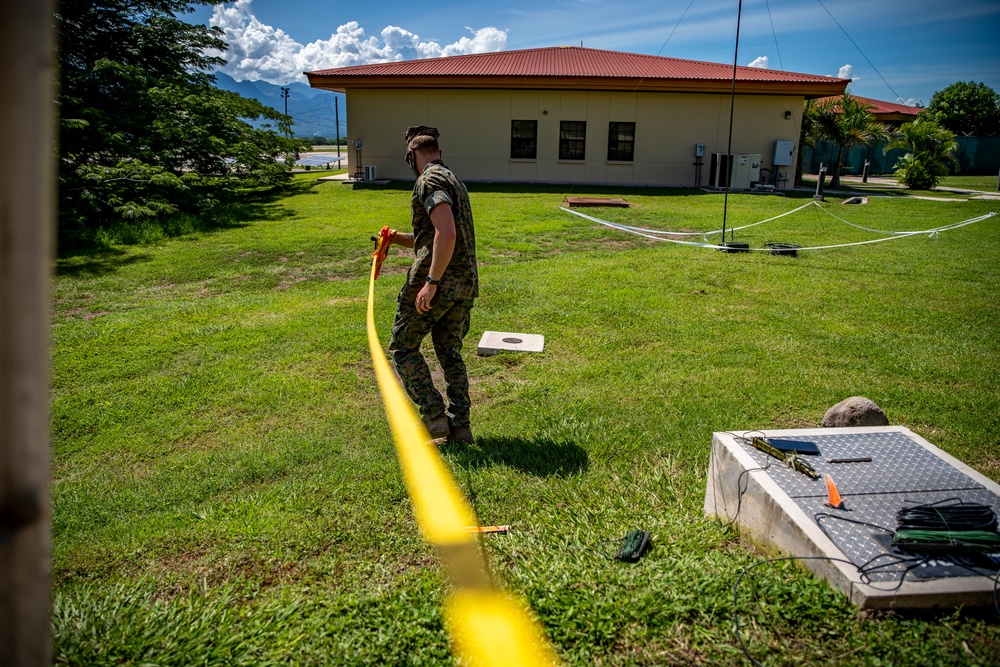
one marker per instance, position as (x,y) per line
(932,152)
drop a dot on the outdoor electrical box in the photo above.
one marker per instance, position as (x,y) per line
(699,150)
(783,152)
(357,144)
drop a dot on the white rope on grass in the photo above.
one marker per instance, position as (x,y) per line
(930,232)
(895,235)
(873,231)
(717,231)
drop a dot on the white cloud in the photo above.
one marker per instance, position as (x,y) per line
(912,102)
(759,61)
(258,51)
(847,72)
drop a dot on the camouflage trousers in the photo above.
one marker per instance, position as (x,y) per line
(447,322)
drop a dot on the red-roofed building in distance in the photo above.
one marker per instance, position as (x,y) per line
(890,113)
(573,115)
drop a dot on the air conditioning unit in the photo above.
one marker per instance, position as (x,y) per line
(746,170)
(371,173)
(738,170)
(719,170)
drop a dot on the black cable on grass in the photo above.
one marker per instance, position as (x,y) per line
(864,572)
(736,586)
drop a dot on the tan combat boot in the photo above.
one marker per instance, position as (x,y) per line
(461,435)
(438,429)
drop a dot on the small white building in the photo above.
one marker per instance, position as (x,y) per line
(573,115)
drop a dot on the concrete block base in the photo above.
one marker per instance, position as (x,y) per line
(782,511)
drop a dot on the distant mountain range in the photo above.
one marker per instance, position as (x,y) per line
(311,109)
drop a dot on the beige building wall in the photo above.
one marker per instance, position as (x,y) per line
(475,130)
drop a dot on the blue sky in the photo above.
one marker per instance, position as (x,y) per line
(893,50)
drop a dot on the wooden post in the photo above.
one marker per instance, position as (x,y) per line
(27,186)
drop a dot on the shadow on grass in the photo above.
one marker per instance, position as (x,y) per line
(92,258)
(542,457)
(96,262)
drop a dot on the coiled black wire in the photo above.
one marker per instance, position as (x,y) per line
(955,517)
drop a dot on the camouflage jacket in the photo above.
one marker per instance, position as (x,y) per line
(438,185)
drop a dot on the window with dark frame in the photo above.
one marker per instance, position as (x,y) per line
(621,142)
(572,139)
(523,139)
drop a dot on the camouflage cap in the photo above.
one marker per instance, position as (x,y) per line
(418,130)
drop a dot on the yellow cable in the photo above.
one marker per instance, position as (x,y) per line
(487,627)
(442,511)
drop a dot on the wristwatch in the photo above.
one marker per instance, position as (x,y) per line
(432,281)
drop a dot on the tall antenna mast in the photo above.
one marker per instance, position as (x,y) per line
(732,108)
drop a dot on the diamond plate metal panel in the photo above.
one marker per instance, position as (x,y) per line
(901,472)
(862,531)
(899,464)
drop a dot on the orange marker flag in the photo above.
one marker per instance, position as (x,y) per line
(833,498)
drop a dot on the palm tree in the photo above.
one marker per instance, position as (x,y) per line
(932,151)
(807,134)
(847,121)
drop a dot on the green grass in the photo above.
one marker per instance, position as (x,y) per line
(225,489)
(982,183)
(985,184)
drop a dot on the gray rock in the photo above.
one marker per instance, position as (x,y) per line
(855,411)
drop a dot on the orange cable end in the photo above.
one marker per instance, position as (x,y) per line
(381,248)
(488,529)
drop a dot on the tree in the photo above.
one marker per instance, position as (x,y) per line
(969,109)
(931,151)
(144,133)
(846,122)
(807,134)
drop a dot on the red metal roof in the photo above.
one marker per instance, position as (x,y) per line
(878,107)
(573,67)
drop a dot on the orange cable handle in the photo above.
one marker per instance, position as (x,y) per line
(382,243)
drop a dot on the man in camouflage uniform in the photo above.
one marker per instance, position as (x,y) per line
(439,291)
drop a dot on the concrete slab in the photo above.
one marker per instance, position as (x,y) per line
(782,511)
(494,342)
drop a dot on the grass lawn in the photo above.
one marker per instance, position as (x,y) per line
(983,184)
(225,489)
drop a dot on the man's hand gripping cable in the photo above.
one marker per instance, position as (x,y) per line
(382,243)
